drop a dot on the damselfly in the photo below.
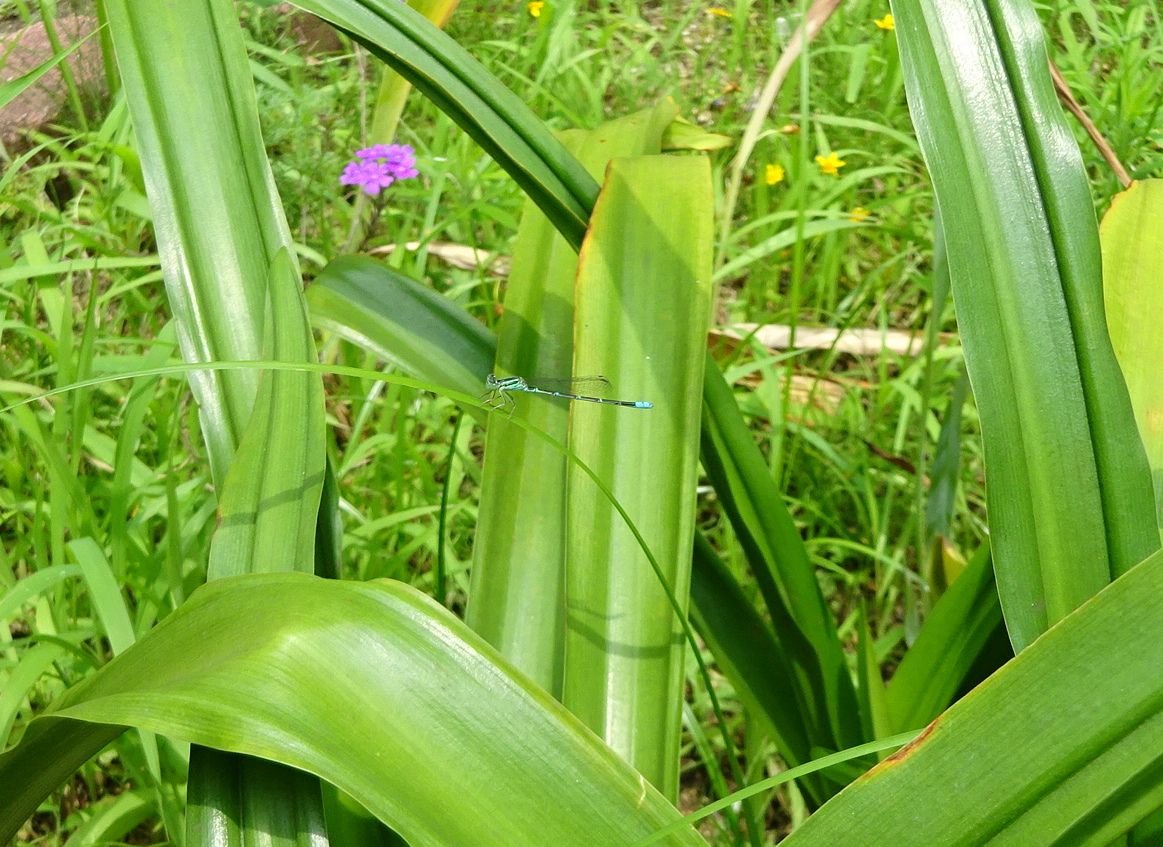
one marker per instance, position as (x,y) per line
(501,389)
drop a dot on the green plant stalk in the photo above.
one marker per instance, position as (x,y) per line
(70,79)
(1068,482)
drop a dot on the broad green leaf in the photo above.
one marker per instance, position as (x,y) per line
(1132,241)
(260,664)
(1060,746)
(642,309)
(518,578)
(1069,493)
(459,86)
(216,213)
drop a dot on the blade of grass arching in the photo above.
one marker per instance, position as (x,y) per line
(13,88)
(1068,481)
(104,594)
(518,576)
(406,323)
(34,661)
(393,91)
(459,86)
(1132,239)
(779,561)
(28,588)
(215,209)
(1060,746)
(781,241)
(523,764)
(112,820)
(109,605)
(269,501)
(949,642)
(69,497)
(750,656)
(642,313)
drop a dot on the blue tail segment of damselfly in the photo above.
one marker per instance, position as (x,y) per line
(501,389)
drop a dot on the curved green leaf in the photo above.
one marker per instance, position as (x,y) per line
(13,88)
(253,664)
(950,640)
(402,321)
(1063,745)
(459,86)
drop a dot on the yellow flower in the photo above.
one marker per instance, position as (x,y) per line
(773,174)
(722,13)
(536,6)
(885,23)
(830,165)
(858,214)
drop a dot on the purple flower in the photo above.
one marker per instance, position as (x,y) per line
(375,168)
